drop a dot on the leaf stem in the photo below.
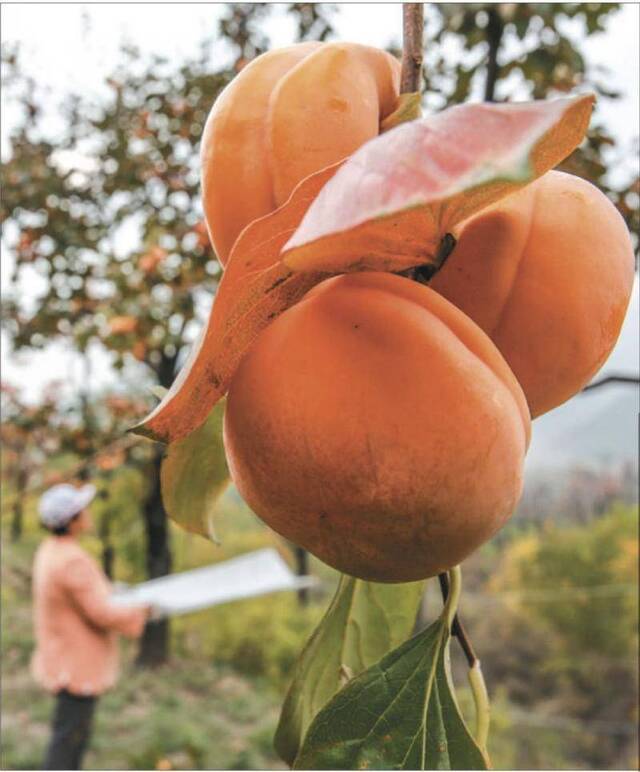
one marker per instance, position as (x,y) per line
(450,585)
(412,31)
(481,701)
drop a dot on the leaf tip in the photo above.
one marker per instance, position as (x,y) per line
(142,429)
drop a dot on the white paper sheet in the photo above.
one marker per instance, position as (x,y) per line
(256,573)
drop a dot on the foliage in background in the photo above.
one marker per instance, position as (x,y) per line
(559,699)
(567,603)
(108,216)
(519,51)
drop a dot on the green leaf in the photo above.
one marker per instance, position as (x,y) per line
(364,621)
(194,474)
(401,713)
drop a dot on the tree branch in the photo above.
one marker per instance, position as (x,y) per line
(634,379)
(412,31)
(495,29)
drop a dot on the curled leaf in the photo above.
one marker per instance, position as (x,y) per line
(394,199)
(255,288)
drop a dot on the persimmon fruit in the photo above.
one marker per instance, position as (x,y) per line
(376,425)
(288,114)
(547,273)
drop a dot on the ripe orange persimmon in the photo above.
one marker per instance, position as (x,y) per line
(376,425)
(547,273)
(288,114)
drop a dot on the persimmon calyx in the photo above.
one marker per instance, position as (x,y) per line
(409,109)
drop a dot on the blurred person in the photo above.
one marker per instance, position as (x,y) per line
(76,623)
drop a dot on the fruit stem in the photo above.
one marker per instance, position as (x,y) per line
(424,273)
(454,586)
(457,629)
(450,584)
(412,31)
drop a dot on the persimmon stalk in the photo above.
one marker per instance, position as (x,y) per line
(495,29)
(634,380)
(412,33)
(410,82)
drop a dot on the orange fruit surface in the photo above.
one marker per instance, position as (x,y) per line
(288,114)
(547,273)
(376,425)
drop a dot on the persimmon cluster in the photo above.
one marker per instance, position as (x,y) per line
(379,422)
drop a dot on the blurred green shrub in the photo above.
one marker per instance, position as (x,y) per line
(261,637)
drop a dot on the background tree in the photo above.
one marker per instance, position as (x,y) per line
(28,435)
(126,165)
(50,442)
(517,51)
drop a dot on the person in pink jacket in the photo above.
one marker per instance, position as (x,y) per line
(76,624)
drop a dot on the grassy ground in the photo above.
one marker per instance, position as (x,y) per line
(183,716)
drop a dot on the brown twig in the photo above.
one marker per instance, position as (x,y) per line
(456,627)
(633,379)
(495,29)
(412,31)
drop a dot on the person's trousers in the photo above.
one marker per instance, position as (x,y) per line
(71,729)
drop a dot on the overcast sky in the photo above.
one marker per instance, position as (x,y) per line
(84,49)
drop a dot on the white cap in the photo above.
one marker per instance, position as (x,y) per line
(61,503)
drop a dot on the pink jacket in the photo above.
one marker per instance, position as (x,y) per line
(76,625)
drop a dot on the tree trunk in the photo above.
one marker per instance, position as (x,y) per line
(108,556)
(154,645)
(302,569)
(495,29)
(18,505)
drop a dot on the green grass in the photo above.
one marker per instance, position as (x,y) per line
(154,719)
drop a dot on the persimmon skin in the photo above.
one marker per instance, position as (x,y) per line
(547,273)
(375,425)
(288,114)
